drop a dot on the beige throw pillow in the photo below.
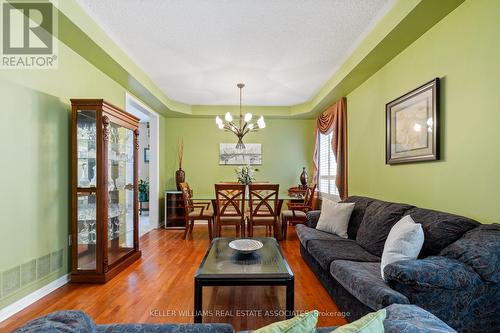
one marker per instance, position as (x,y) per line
(334,217)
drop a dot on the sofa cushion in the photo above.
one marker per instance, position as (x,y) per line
(60,321)
(326,251)
(165,328)
(361,203)
(480,249)
(379,218)
(312,218)
(440,229)
(363,281)
(305,234)
(406,318)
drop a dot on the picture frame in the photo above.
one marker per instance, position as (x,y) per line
(250,155)
(146,155)
(412,126)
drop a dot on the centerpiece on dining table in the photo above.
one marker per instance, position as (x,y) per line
(245,175)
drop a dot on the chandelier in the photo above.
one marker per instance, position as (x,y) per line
(245,125)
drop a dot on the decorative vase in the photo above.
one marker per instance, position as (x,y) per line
(180,177)
(303,178)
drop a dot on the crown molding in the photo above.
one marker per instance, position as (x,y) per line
(404,23)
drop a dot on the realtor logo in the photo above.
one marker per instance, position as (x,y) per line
(28,29)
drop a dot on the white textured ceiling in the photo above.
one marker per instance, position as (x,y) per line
(197,50)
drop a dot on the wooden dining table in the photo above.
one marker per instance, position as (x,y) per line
(210,200)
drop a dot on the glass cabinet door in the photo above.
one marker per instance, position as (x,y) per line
(120,192)
(86,190)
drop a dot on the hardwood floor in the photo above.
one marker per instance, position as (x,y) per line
(159,288)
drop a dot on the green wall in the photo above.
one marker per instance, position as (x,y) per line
(35,167)
(463,51)
(287,146)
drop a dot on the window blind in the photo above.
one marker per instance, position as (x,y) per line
(327,166)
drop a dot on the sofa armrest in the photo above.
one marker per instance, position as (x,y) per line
(432,272)
(312,218)
(407,318)
(411,318)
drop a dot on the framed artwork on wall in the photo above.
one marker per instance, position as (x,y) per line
(146,155)
(412,126)
(250,155)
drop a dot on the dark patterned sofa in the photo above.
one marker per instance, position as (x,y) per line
(399,319)
(456,277)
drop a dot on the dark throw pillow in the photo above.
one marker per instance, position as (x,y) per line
(361,203)
(380,217)
(440,229)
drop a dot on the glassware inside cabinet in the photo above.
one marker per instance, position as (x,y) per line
(86,148)
(121,192)
(86,235)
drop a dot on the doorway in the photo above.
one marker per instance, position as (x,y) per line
(149,176)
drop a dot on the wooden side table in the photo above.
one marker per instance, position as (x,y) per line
(297,192)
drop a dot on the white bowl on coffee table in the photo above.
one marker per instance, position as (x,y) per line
(245,245)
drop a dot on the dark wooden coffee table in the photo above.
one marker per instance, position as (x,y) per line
(223,266)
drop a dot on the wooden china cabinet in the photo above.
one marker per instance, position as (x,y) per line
(105,208)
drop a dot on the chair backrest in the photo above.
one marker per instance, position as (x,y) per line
(230,200)
(263,200)
(187,196)
(309,196)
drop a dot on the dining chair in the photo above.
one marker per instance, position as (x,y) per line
(230,207)
(296,212)
(264,207)
(195,211)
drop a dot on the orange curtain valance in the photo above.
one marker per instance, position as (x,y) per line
(327,118)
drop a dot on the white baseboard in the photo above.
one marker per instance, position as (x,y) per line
(27,300)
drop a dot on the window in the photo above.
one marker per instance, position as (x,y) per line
(327,166)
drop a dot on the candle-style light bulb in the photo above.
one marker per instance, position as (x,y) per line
(261,123)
